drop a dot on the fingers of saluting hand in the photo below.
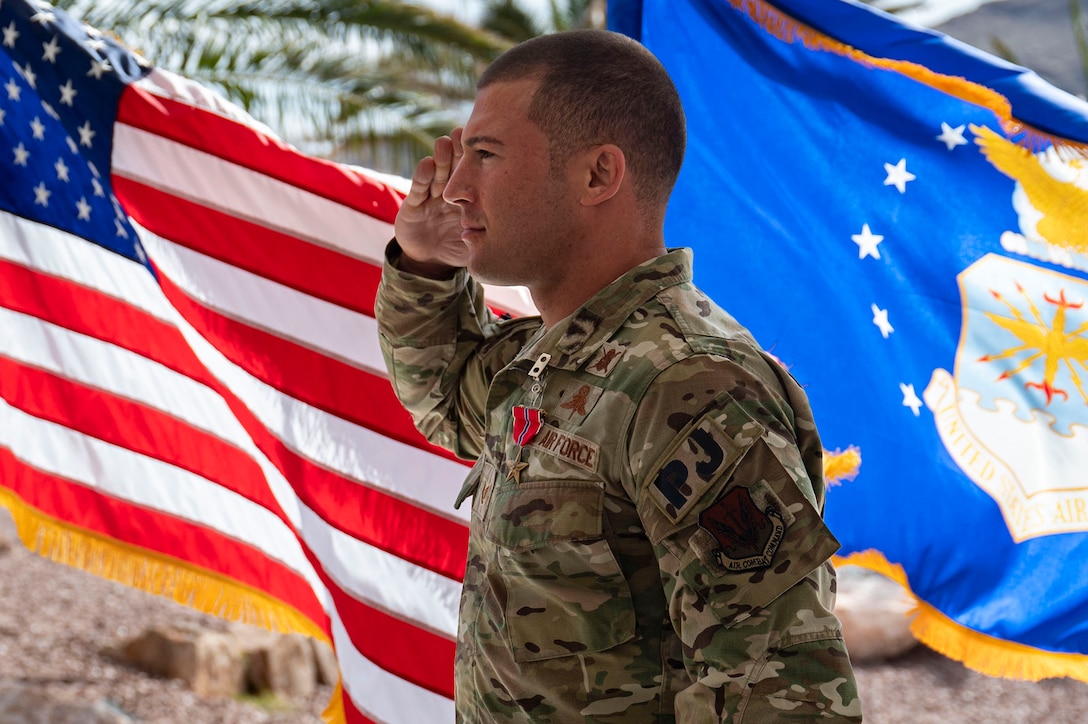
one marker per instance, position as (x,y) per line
(421,182)
(458,149)
(443,165)
(433,172)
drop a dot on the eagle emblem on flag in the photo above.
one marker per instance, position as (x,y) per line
(1014,415)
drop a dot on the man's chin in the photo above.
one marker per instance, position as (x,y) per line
(487,273)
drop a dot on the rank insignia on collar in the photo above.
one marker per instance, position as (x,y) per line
(605,359)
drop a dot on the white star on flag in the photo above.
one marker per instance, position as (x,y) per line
(898,175)
(42,17)
(880,319)
(37,128)
(51,49)
(867,242)
(67,93)
(21,154)
(98,67)
(41,194)
(910,399)
(84,209)
(85,134)
(10,35)
(28,74)
(952,137)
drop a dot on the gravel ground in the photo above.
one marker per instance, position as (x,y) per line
(55,621)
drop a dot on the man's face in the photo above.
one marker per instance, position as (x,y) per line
(518,216)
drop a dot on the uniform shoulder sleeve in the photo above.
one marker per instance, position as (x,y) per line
(722,487)
(721,467)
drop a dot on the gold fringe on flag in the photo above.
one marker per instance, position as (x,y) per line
(183,582)
(841,465)
(334,713)
(977,651)
(788,29)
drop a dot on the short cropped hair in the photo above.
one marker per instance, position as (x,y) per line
(598,87)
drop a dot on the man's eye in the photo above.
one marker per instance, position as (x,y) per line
(482,153)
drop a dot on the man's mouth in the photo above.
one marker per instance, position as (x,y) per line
(469,230)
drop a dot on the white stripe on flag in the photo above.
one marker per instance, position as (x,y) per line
(60,254)
(236,293)
(425,479)
(152,483)
(381,695)
(218,184)
(374,576)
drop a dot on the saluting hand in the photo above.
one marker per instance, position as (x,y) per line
(427,227)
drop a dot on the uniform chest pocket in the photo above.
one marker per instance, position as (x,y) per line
(565,591)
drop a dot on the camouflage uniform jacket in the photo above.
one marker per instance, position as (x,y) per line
(656,553)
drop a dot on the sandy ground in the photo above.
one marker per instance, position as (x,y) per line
(55,621)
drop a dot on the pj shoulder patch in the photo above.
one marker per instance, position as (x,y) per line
(693,465)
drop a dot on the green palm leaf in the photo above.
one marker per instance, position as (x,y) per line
(344,78)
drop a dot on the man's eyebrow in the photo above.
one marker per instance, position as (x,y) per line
(477,140)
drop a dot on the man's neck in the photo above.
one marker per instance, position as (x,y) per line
(560,301)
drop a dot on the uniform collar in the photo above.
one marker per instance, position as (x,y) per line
(573,340)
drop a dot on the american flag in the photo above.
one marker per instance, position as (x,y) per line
(190,378)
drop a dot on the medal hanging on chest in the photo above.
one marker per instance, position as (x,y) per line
(528,418)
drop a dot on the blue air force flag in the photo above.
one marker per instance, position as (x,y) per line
(903,221)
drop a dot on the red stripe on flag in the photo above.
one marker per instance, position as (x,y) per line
(243,145)
(305,374)
(98,315)
(191,543)
(136,427)
(407,651)
(352,714)
(320,272)
(409,532)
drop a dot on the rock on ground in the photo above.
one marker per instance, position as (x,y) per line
(59,625)
(876,614)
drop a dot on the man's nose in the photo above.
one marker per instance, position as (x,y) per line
(457,189)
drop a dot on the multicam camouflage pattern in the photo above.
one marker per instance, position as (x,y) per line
(662,556)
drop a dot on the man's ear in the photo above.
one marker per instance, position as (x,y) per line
(605,168)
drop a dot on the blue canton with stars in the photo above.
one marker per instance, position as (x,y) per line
(60,82)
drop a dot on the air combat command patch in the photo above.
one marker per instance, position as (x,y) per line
(748,532)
